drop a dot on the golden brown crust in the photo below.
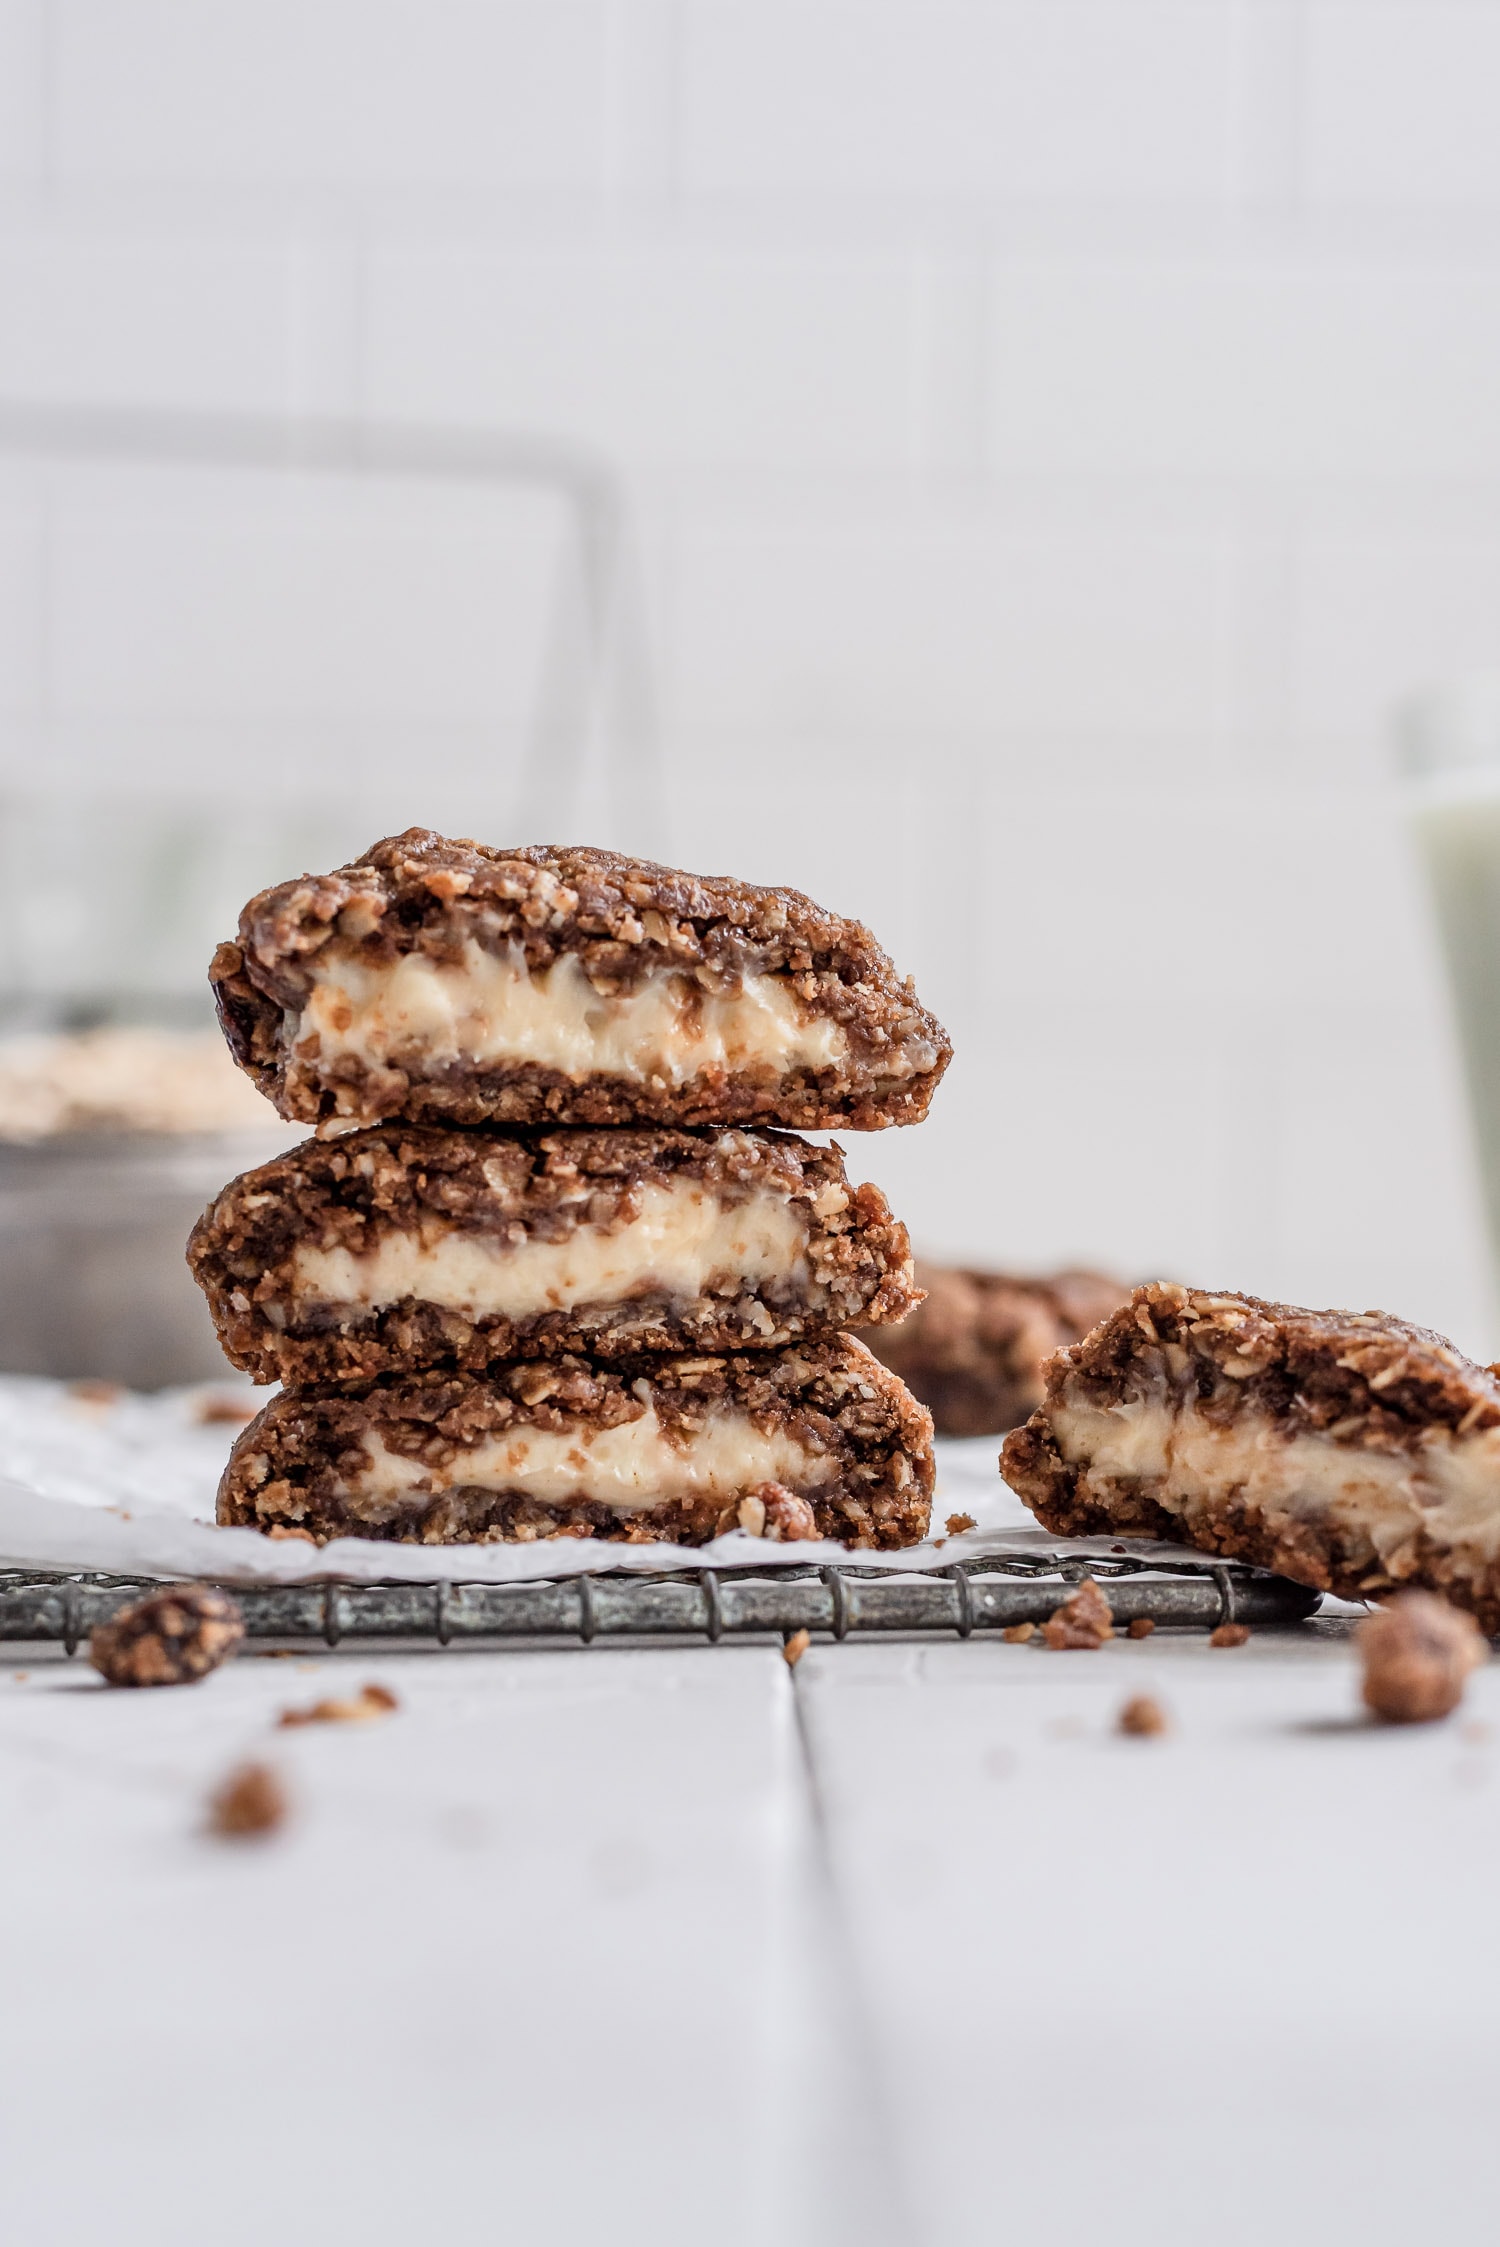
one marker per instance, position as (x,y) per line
(289,1469)
(1359,1380)
(511,1190)
(624,918)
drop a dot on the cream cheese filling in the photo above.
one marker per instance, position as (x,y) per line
(1448,1487)
(681,1240)
(633,1468)
(489,1007)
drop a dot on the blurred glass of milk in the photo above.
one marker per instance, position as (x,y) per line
(1450,744)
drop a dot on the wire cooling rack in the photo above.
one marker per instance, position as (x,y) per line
(968,1598)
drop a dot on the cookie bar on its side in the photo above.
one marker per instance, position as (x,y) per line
(406,1246)
(973,1353)
(1347,1450)
(820,1442)
(446,982)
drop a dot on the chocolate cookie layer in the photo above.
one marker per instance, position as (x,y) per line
(1349,1451)
(447,982)
(973,1352)
(406,1246)
(821,1442)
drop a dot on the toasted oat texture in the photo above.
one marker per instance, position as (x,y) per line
(447,982)
(171,1637)
(974,1352)
(1347,1450)
(786,1444)
(404,1247)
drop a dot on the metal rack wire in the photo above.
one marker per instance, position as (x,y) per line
(966,1598)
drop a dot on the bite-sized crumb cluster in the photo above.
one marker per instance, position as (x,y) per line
(172,1637)
(1083,1622)
(1417,1653)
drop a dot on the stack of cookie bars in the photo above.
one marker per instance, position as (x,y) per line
(555,1263)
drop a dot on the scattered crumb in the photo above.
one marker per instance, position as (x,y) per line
(956,1524)
(1229,1634)
(1417,1653)
(252,1800)
(282,1530)
(276,1653)
(1083,1621)
(1142,1718)
(1142,1627)
(98,1395)
(795,1647)
(19,1677)
(371,1701)
(231,1411)
(1117,1548)
(172,1637)
(1018,1633)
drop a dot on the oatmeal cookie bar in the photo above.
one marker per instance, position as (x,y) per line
(407,1246)
(973,1353)
(1347,1450)
(821,1442)
(446,982)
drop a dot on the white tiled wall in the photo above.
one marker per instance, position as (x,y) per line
(1056,432)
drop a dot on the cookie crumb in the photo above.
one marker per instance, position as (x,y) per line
(1229,1634)
(172,1637)
(1142,1627)
(1142,1718)
(98,1395)
(1417,1653)
(281,1530)
(789,1520)
(226,1411)
(795,1647)
(1018,1633)
(956,1524)
(371,1701)
(251,1801)
(1084,1620)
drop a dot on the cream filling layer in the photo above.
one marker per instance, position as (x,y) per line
(633,1468)
(681,1240)
(489,1007)
(1447,1487)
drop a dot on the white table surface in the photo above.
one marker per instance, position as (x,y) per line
(664,1945)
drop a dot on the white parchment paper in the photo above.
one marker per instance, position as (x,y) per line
(126,1483)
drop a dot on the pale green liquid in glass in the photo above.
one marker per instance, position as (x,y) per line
(1457,823)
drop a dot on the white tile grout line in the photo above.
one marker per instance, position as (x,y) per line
(882,2215)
